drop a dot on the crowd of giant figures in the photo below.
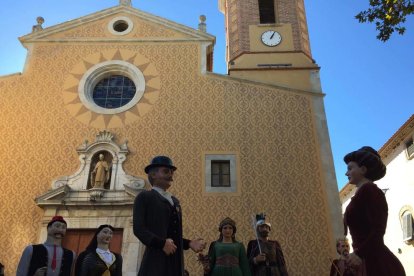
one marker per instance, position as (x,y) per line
(157,223)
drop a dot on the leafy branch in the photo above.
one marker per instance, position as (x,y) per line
(388,15)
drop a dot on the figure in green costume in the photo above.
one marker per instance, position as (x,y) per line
(226,256)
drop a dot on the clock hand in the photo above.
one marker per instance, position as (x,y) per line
(272,35)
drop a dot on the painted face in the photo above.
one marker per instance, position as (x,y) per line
(105,235)
(57,230)
(163,177)
(343,248)
(263,230)
(227,231)
(355,173)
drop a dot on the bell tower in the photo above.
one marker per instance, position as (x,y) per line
(268,41)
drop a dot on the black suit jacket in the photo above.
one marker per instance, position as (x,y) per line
(154,221)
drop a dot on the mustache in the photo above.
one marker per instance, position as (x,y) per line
(263,233)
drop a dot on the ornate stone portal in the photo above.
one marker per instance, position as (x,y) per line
(117,184)
(99,192)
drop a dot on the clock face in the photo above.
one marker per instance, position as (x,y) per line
(271,38)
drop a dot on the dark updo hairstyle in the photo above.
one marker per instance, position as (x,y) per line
(94,242)
(232,223)
(370,159)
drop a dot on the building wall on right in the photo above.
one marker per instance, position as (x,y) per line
(398,186)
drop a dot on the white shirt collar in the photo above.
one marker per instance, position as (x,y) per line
(106,256)
(161,191)
(99,250)
(164,194)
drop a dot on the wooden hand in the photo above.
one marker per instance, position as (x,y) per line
(197,245)
(169,247)
(260,258)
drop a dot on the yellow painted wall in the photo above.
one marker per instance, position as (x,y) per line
(298,79)
(272,130)
(251,60)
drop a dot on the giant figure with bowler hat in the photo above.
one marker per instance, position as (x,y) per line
(157,223)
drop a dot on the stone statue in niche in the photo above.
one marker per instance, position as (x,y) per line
(100,174)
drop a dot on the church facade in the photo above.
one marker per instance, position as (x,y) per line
(101,95)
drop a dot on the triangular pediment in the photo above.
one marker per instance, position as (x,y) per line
(96,27)
(54,195)
(66,196)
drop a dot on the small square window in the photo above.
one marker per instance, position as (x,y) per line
(220,173)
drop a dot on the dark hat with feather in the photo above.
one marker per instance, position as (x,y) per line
(261,220)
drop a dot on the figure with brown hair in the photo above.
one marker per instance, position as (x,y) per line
(339,266)
(226,256)
(366,216)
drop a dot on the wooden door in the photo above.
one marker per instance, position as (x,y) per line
(78,239)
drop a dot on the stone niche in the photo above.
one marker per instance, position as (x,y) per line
(85,204)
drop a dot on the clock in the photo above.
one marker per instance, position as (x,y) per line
(271,38)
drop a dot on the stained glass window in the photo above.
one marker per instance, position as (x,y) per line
(114,91)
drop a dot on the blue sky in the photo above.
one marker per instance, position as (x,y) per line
(368,83)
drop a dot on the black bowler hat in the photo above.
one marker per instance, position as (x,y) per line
(160,161)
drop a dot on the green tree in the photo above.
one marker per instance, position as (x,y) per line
(388,15)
